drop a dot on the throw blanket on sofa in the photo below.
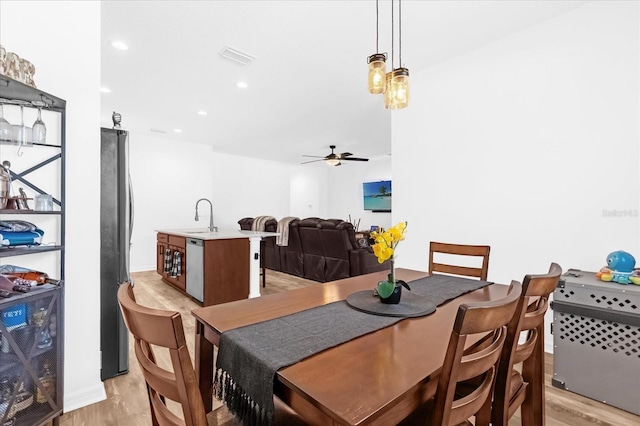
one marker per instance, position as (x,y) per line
(259,223)
(283,230)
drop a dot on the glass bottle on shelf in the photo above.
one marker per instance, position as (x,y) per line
(47,378)
(38,319)
(10,284)
(27,274)
(7,413)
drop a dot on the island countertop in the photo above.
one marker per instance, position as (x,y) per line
(223,234)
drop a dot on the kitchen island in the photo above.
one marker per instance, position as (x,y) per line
(212,267)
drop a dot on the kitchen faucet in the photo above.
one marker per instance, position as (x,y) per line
(211,227)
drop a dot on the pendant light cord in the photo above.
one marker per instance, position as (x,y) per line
(377,32)
(392,36)
(400,33)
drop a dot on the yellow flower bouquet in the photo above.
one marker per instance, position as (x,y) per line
(384,248)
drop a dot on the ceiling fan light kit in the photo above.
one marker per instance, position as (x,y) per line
(396,82)
(334,159)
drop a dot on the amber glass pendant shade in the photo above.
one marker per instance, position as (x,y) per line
(400,88)
(377,72)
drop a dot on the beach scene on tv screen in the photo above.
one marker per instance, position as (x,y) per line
(377,195)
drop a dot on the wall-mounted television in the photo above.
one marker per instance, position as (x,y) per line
(377,196)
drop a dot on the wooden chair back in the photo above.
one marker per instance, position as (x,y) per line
(525,332)
(462,365)
(461,250)
(163,329)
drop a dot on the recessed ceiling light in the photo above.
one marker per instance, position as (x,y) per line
(119,45)
(177,130)
(202,112)
(105,90)
(242,85)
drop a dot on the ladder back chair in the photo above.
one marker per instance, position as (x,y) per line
(154,327)
(526,390)
(476,366)
(460,250)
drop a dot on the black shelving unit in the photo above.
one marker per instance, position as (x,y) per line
(31,364)
(31,398)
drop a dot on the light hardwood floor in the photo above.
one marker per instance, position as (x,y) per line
(127,403)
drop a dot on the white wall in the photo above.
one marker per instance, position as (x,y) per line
(248,187)
(336,192)
(522,144)
(345,191)
(68,66)
(309,191)
(169,177)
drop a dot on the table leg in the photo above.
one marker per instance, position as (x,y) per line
(533,407)
(204,365)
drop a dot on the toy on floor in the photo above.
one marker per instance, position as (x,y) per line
(620,269)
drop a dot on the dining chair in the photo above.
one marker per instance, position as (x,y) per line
(164,329)
(459,250)
(472,369)
(524,345)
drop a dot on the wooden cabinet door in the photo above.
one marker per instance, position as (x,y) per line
(160,255)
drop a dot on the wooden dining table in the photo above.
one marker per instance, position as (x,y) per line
(378,378)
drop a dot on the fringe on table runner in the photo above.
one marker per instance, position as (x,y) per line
(238,402)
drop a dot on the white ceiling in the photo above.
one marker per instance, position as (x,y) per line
(307,85)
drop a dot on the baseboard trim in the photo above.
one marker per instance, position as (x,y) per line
(548,345)
(143,268)
(84,397)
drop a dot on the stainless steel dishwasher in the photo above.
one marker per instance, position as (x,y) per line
(195,268)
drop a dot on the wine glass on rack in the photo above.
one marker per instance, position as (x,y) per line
(21,133)
(39,130)
(5,127)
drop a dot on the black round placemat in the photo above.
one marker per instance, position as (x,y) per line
(411,304)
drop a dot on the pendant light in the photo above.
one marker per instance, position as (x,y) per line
(389,97)
(397,90)
(377,66)
(400,79)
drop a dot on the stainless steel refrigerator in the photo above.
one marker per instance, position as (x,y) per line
(116,226)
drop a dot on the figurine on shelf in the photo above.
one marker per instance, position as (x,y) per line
(28,70)
(12,66)
(620,269)
(3,60)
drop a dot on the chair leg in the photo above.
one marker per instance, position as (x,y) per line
(483,417)
(154,419)
(532,409)
(264,277)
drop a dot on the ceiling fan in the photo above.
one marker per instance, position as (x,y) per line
(334,159)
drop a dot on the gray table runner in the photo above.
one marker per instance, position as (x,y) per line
(248,357)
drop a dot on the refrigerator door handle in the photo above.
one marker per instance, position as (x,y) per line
(131,207)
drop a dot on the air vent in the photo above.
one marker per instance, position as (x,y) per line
(158,131)
(237,56)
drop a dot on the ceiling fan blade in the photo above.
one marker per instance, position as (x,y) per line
(354,159)
(312,156)
(312,161)
(345,154)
